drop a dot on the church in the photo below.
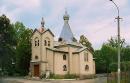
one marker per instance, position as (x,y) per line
(61,57)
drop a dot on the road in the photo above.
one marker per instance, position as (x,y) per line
(21,80)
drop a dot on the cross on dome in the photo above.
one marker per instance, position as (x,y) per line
(42,22)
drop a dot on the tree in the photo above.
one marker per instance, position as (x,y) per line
(84,41)
(23,48)
(125,54)
(7,42)
(113,41)
(105,57)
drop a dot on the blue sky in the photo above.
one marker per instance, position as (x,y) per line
(93,18)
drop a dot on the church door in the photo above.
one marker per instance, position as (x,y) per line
(36,70)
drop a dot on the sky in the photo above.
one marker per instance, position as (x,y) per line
(93,18)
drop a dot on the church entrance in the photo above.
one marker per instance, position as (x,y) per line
(36,70)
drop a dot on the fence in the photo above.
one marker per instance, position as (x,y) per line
(125,77)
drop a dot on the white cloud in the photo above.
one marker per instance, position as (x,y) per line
(24,4)
(14,8)
(93,18)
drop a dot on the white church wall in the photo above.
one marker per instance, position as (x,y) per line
(84,63)
(59,63)
(75,63)
(51,38)
(36,49)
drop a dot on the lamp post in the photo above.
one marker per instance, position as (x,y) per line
(118,29)
(13,65)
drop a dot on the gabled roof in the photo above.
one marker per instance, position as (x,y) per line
(43,32)
(56,50)
(42,29)
(80,50)
(49,31)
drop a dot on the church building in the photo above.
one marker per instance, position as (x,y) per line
(65,56)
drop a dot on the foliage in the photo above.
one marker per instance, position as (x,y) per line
(106,57)
(113,41)
(84,41)
(15,47)
(125,53)
(66,76)
(125,66)
(7,43)
(23,48)
(70,76)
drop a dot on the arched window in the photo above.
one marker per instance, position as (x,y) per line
(36,57)
(60,39)
(64,57)
(64,68)
(47,41)
(36,41)
(86,67)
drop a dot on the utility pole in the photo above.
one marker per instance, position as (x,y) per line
(118,31)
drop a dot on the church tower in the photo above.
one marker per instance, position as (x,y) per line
(66,33)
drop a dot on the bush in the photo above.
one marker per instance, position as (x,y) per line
(70,76)
(67,76)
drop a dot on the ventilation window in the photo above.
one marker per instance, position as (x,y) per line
(36,57)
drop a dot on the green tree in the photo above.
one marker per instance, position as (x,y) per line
(84,41)
(105,57)
(7,43)
(125,54)
(113,41)
(23,48)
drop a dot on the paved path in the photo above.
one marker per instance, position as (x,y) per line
(20,80)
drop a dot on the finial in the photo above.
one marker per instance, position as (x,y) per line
(66,16)
(42,22)
(65,10)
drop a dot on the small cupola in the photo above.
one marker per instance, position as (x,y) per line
(42,28)
(66,16)
(66,33)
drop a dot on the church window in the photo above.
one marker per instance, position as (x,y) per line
(64,57)
(60,39)
(45,43)
(86,67)
(48,43)
(36,57)
(64,68)
(36,41)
